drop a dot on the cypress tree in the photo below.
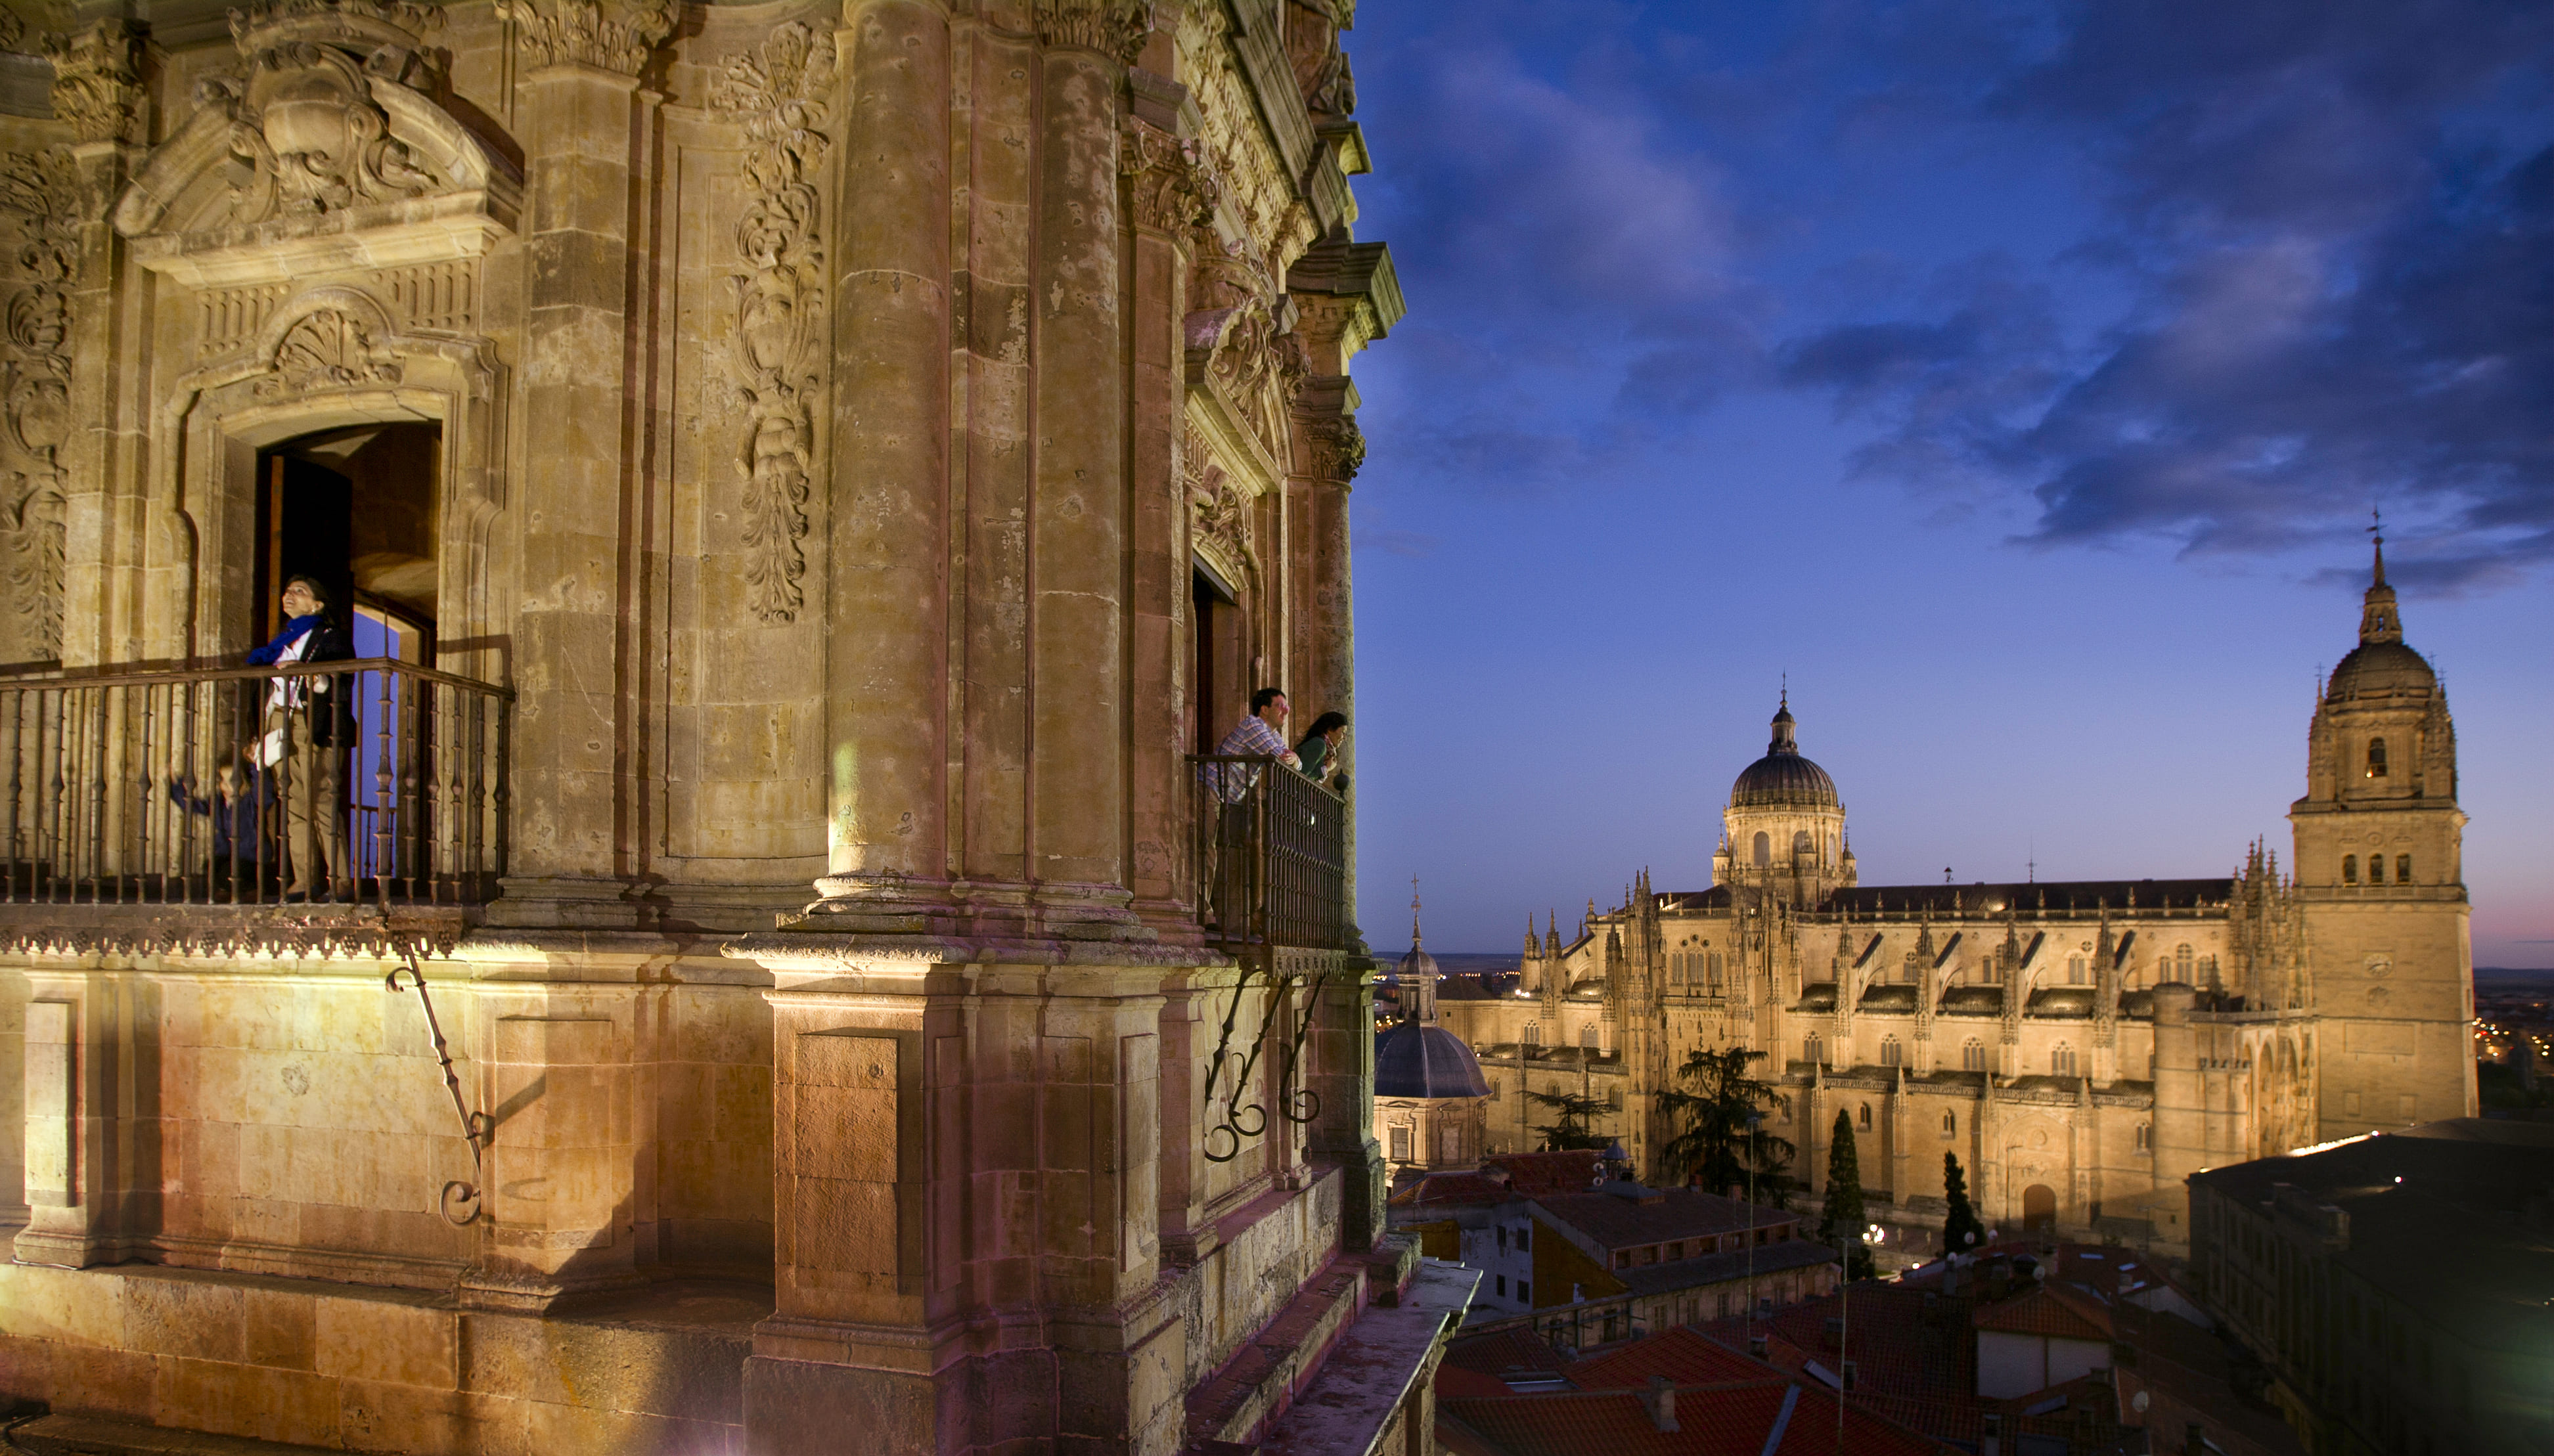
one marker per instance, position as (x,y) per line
(1843,1221)
(1962,1230)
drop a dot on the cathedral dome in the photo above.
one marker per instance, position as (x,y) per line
(2382,670)
(1782,779)
(1417,1059)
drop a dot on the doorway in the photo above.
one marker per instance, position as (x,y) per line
(1214,616)
(358,510)
(2039,1209)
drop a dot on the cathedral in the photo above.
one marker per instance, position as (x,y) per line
(2081,1047)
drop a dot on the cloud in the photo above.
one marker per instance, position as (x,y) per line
(2332,222)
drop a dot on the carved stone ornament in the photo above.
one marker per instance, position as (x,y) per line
(617,38)
(329,350)
(1168,185)
(231,939)
(1339,447)
(97,80)
(1238,333)
(1115,28)
(778,342)
(1219,509)
(42,199)
(308,137)
(1313,51)
(12,31)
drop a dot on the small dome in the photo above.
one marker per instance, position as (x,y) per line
(1782,779)
(2382,670)
(1422,1059)
(1416,963)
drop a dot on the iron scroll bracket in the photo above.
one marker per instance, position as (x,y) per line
(1289,1093)
(461,1202)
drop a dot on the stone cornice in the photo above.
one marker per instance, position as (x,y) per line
(1115,28)
(97,80)
(617,38)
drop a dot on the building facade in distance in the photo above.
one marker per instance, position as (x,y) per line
(2082,1048)
(803,480)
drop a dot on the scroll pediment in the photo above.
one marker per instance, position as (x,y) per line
(326,152)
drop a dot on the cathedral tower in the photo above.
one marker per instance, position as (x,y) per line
(2379,839)
(1784,829)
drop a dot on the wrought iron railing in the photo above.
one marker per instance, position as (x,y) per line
(1268,854)
(370,781)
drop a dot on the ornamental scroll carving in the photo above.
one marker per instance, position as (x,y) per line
(97,81)
(1239,334)
(328,349)
(1219,509)
(1115,28)
(778,340)
(1168,185)
(1337,445)
(41,197)
(586,33)
(308,138)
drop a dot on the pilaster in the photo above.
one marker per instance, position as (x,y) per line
(92,1154)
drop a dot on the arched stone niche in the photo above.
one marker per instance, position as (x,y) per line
(327,358)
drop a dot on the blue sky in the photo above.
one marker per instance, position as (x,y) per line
(2016,378)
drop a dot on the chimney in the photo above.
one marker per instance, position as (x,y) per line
(1756,1346)
(1660,1399)
(1737,1195)
(1999,1278)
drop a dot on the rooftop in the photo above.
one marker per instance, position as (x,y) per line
(1617,1220)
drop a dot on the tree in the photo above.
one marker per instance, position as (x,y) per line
(1721,1139)
(1961,1231)
(1842,1222)
(1577,1127)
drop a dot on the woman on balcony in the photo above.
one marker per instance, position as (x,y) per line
(302,732)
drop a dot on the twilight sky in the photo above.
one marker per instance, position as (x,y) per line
(2015,377)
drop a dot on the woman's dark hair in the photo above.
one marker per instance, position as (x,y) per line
(1324,724)
(315,587)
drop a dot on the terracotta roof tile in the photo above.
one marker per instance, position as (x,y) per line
(1537,1173)
(2052,1310)
(1717,1420)
(1681,1355)
(1502,1351)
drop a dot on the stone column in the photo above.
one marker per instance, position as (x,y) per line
(886,682)
(585,124)
(1168,195)
(1339,1058)
(1077,703)
(97,89)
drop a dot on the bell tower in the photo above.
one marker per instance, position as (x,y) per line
(2378,840)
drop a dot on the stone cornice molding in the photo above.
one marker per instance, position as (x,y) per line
(97,80)
(1170,189)
(619,37)
(1115,28)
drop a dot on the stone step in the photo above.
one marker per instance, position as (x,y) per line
(1264,1375)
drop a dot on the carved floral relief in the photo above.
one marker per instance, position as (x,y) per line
(308,137)
(777,346)
(328,349)
(40,195)
(97,81)
(619,37)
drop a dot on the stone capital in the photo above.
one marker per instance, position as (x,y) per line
(1170,189)
(1115,28)
(97,80)
(618,36)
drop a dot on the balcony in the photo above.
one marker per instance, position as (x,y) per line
(1270,855)
(198,787)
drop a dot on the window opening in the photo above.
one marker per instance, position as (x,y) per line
(2350,869)
(2402,869)
(2377,758)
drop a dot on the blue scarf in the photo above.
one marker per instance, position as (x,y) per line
(292,633)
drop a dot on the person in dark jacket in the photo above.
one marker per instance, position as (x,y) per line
(1319,750)
(307,721)
(238,809)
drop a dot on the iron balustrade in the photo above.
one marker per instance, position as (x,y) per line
(112,785)
(1268,854)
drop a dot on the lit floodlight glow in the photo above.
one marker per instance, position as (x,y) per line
(2328,1147)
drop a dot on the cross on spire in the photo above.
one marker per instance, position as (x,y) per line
(1414,912)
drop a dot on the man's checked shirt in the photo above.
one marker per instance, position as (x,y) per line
(1251,735)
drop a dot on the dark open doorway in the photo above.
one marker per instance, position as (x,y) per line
(357,509)
(1212,618)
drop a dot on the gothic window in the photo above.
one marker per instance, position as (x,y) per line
(1711,967)
(2061,1059)
(2181,963)
(2377,758)
(1864,1121)
(1950,1124)
(1813,1048)
(1534,1034)
(1589,1037)
(1973,1055)
(2146,1137)
(1764,848)
(1889,1051)
(2402,869)
(2076,969)
(2376,869)
(2350,869)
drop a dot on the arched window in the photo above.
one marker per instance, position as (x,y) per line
(2376,869)
(2402,869)
(1950,1124)
(1801,843)
(1889,1051)
(2146,1137)
(1813,1048)
(1590,1037)
(1973,1055)
(2350,869)
(1764,848)
(2061,1059)
(2377,758)
(1711,967)
(2076,969)
(1534,1034)
(1864,1121)
(2181,963)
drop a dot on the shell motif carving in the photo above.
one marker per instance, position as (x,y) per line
(329,350)
(776,348)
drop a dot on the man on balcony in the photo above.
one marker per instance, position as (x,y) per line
(1257,735)
(302,720)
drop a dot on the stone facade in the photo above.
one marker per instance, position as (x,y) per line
(861,446)
(2081,1048)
